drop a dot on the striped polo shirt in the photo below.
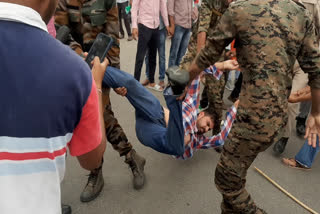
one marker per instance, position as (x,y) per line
(49,103)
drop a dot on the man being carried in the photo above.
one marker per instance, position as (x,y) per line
(180,131)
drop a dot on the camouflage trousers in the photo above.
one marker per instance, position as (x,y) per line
(114,133)
(215,89)
(245,141)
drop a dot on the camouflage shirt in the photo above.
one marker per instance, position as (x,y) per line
(209,14)
(84,19)
(270,35)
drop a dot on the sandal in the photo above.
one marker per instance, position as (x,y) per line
(291,162)
(155,87)
(161,84)
(145,82)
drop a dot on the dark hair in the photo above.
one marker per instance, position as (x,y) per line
(211,113)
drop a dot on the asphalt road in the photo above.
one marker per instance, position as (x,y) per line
(184,187)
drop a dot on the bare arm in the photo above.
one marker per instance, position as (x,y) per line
(309,61)
(93,159)
(201,41)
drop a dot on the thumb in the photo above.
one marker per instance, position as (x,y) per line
(95,61)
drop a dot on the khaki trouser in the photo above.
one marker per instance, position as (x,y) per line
(299,81)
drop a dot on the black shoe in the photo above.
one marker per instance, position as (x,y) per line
(279,146)
(301,126)
(93,187)
(178,79)
(65,209)
(136,163)
(218,149)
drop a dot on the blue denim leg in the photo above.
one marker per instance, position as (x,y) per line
(184,45)
(141,99)
(162,53)
(150,126)
(175,44)
(156,136)
(307,154)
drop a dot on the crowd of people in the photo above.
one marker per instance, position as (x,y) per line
(267,52)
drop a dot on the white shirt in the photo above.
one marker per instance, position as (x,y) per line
(121,1)
(19,13)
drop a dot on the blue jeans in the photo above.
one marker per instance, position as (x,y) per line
(307,154)
(150,125)
(179,45)
(162,55)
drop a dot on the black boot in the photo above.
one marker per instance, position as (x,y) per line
(301,126)
(65,209)
(178,79)
(279,146)
(136,163)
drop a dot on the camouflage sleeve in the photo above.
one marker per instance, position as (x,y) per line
(317,19)
(61,17)
(204,17)
(221,37)
(309,56)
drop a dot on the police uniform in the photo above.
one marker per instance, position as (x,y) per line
(209,15)
(86,19)
(270,35)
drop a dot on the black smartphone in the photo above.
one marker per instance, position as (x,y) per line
(99,48)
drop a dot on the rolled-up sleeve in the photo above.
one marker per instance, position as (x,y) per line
(164,12)
(309,56)
(204,17)
(171,7)
(134,13)
(223,34)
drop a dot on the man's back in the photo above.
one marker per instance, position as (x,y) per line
(269,35)
(44,88)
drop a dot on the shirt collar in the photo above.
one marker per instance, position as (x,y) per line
(19,13)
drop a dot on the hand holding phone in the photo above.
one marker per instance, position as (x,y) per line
(99,48)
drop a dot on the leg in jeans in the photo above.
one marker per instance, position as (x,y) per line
(152,48)
(126,18)
(121,12)
(150,127)
(175,45)
(147,64)
(143,41)
(307,154)
(162,53)
(183,45)
(165,140)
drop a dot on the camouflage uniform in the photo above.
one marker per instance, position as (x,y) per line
(209,15)
(84,31)
(270,35)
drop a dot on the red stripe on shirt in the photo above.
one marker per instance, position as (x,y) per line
(31,155)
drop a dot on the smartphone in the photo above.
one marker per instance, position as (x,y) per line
(99,48)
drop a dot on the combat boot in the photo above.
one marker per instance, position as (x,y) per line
(136,163)
(66,209)
(94,185)
(301,126)
(279,146)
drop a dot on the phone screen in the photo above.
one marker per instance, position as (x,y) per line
(100,48)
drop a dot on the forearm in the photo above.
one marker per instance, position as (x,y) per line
(315,93)
(171,21)
(201,41)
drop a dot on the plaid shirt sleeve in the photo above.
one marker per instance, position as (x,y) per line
(218,140)
(190,110)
